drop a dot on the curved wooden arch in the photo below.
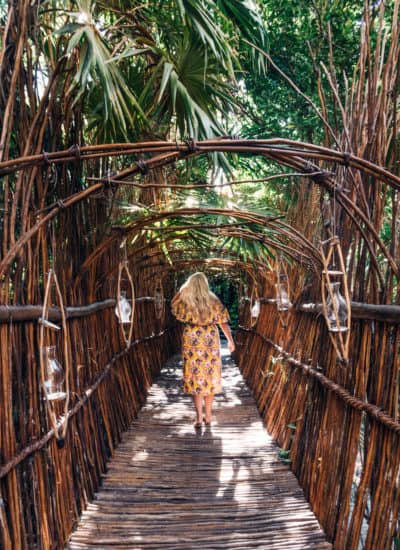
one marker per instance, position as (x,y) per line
(140,254)
(277,149)
(221,256)
(234,265)
(298,155)
(273,222)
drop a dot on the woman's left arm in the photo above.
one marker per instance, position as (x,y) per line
(228,334)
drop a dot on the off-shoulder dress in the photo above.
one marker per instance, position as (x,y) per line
(201,349)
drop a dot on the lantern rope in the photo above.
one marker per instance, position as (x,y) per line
(282,313)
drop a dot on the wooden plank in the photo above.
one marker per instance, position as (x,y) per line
(170,486)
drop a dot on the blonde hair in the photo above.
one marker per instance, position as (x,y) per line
(196,296)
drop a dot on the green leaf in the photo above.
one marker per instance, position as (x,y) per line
(68,28)
(168,68)
(129,52)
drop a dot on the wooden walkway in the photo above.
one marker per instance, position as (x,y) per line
(172,487)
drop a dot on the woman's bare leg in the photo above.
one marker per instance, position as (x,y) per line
(198,404)
(208,400)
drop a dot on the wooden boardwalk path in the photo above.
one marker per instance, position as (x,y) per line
(172,487)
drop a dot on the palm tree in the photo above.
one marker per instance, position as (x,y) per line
(162,69)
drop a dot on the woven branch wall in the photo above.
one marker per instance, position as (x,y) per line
(42,497)
(346,461)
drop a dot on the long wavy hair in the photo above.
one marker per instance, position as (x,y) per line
(196,296)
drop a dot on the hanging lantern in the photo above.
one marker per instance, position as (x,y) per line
(242,290)
(54,376)
(336,310)
(255,310)
(123,309)
(242,304)
(254,304)
(336,307)
(282,293)
(159,302)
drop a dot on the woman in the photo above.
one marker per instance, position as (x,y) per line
(201,311)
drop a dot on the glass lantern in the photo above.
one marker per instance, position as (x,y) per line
(123,309)
(282,294)
(158,299)
(54,375)
(336,323)
(242,304)
(255,310)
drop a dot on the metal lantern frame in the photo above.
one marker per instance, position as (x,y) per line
(340,339)
(242,298)
(124,268)
(254,297)
(59,427)
(281,271)
(159,299)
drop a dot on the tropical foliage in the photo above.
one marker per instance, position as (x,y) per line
(89,79)
(125,71)
(157,68)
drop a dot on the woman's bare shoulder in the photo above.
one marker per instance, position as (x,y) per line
(176,298)
(214,298)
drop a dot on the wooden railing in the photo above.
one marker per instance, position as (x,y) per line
(45,485)
(339,425)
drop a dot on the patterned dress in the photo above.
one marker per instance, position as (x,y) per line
(201,349)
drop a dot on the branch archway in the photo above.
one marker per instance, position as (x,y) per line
(299,156)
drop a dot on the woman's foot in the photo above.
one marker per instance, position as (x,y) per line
(197,424)
(207,421)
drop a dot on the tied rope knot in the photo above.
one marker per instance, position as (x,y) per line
(346,159)
(309,168)
(191,145)
(142,166)
(75,150)
(110,183)
(46,158)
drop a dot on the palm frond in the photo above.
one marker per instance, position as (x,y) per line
(199,17)
(97,69)
(245,15)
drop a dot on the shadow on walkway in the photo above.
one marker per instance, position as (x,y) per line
(171,486)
